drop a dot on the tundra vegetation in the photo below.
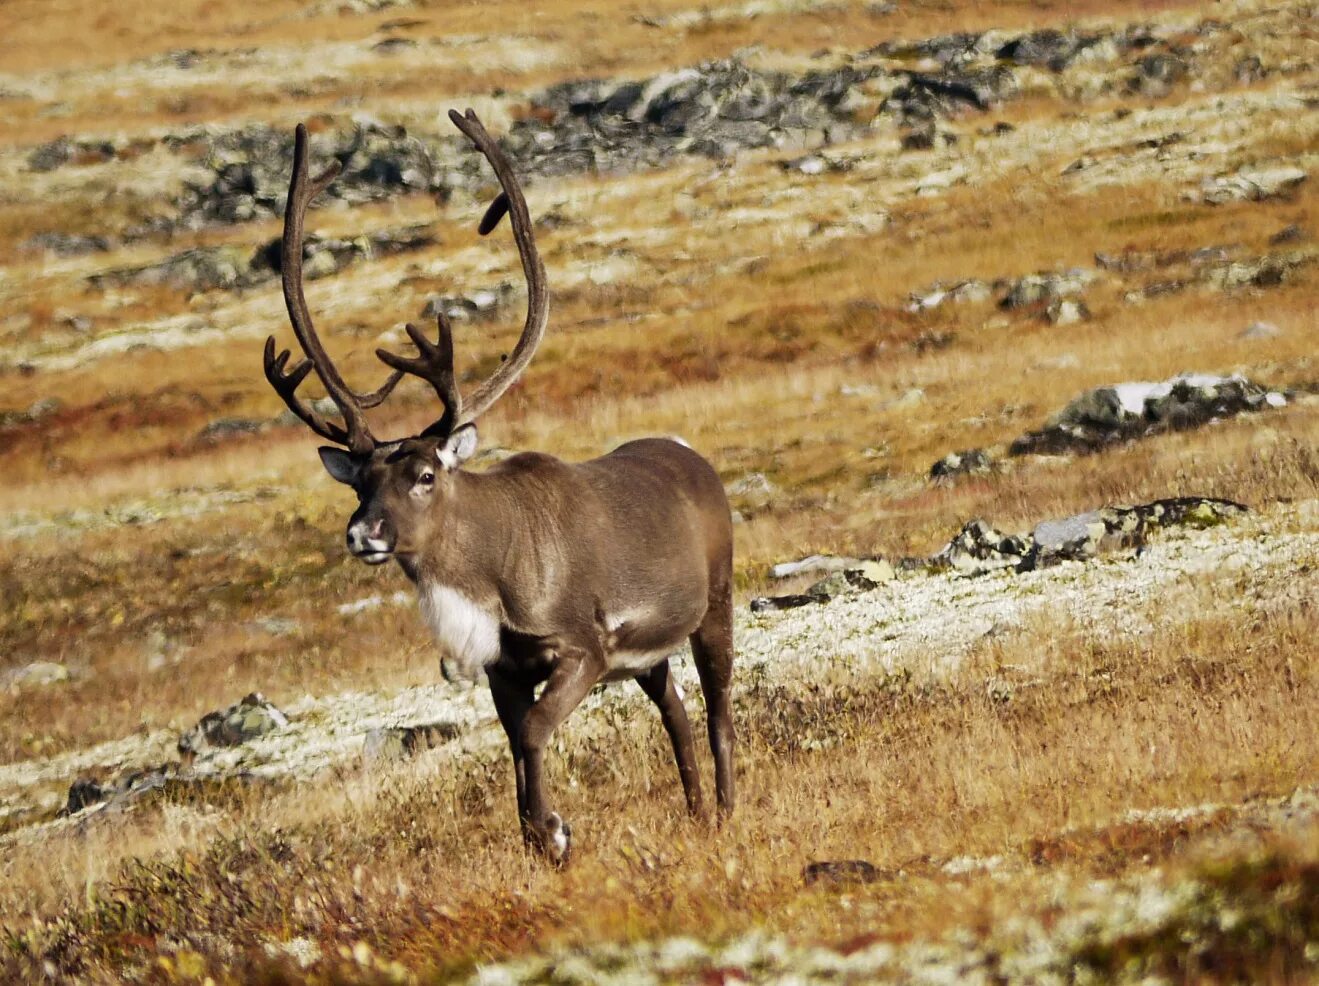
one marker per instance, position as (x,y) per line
(893,268)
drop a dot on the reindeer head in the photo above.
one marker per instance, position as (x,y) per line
(401,485)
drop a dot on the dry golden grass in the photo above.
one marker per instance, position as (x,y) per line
(904,774)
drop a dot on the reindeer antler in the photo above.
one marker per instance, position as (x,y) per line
(356,435)
(436,361)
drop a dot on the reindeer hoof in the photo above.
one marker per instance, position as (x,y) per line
(557,840)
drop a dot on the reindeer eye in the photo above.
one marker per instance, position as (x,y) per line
(427,478)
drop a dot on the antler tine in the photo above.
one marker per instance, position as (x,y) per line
(286,385)
(377,397)
(434,364)
(510,200)
(357,436)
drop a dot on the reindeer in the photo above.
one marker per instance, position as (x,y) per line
(535,571)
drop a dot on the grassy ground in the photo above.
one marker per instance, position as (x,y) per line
(149,561)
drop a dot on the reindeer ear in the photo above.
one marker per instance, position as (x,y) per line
(341,465)
(458,447)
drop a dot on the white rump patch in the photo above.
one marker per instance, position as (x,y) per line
(468,636)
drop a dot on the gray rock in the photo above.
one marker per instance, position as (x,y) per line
(1156,74)
(1267,271)
(836,584)
(1050,534)
(1048,48)
(1066,311)
(1110,415)
(478,306)
(752,492)
(979,548)
(1253,184)
(403,742)
(967,462)
(231,268)
(249,718)
(813,563)
(1046,287)
(938,293)
(1291,233)
(70,150)
(838,873)
(67,244)
(277,626)
(866,575)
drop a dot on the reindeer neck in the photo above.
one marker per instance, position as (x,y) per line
(471,543)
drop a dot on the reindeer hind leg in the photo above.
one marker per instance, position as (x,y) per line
(712,649)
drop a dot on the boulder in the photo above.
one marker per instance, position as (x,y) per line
(249,718)
(979,548)
(1124,412)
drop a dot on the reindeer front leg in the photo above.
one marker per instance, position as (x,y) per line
(576,671)
(513,700)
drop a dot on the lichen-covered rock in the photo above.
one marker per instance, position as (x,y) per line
(247,719)
(754,491)
(1109,415)
(979,548)
(847,576)
(232,268)
(67,244)
(478,305)
(967,462)
(937,294)
(1253,184)
(1046,287)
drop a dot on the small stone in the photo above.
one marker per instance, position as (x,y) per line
(38,674)
(840,872)
(767,604)
(967,462)
(830,587)
(83,793)
(1066,311)
(752,492)
(813,563)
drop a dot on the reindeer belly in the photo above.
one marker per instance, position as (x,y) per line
(467,634)
(635,641)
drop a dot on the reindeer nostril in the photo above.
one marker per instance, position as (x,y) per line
(377,528)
